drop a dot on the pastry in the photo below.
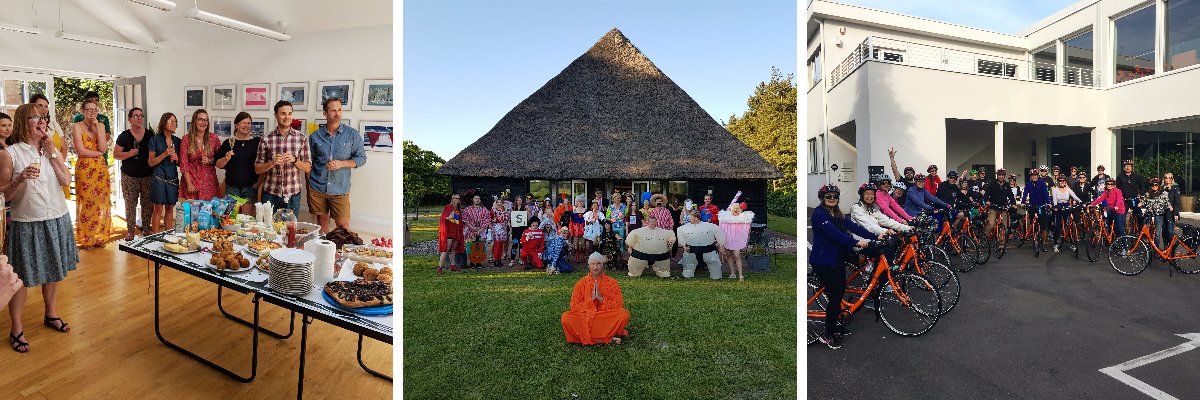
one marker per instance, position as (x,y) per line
(386,271)
(359,293)
(385,279)
(175,248)
(359,268)
(370,274)
(264,246)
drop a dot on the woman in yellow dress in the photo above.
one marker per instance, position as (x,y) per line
(92,206)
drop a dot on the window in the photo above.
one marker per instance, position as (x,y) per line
(1045,63)
(539,190)
(1077,54)
(570,189)
(814,67)
(1183,33)
(640,187)
(677,192)
(996,68)
(1134,41)
(813,156)
(888,55)
(14,92)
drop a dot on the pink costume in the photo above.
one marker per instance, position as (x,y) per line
(736,228)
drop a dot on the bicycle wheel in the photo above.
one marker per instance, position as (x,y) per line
(965,257)
(933,253)
(1188,265)
(985,249)
(905,307)
(945,280)
(816,326)
(1094,246)
(1127,260)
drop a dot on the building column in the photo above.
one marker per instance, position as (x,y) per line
(999,145)
(1104,151)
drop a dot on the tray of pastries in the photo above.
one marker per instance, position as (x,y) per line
(368,254)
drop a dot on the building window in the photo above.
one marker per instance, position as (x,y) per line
(996,68)
(1045,63)
(1183,33)
(888,55)
(571,189)
(814,156)
(640,187)
(1134,41)
(539,190)
(1159,148)
(1077,54)
(677,192)
(814,67)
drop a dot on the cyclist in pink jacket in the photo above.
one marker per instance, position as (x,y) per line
(888,204)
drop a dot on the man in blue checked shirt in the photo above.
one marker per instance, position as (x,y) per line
(336,150)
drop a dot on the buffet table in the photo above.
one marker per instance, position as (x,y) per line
(311,306)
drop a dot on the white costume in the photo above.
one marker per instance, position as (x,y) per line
(651,247)
(874,220)
(701,235)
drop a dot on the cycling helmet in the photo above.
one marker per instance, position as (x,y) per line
(1055,168)
(1155,181)
(1042,168)
(1000,171)
(952,174)
(884,181)
(931,168)
(1012,177)
(1128,162)
(865,187)
(900,185)
(830,188)
(1110,180)
(974,172)
(920,177)
(908,169)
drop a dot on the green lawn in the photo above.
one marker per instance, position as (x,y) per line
(424,228)
(498,335)
(784,225)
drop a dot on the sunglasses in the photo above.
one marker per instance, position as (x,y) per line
(832,197)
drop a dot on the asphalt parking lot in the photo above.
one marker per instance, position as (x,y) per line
(1025,327)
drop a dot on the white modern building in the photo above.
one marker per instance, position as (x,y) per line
(1096,83)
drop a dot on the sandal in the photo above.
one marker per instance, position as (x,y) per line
(17,343)
(62,327)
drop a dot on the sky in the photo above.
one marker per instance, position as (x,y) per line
(467,63)
(1004,16)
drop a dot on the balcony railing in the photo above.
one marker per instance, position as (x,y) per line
(941,58)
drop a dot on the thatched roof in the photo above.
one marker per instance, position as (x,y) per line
(611,114)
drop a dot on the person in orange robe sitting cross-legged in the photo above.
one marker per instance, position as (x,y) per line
(597,313)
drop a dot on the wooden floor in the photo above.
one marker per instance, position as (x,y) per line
(112,352)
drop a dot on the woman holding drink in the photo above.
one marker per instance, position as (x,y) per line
(164,159)
(197,165)
(92,207)
(33,172)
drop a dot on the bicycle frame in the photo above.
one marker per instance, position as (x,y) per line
(850,308)
(1148,236)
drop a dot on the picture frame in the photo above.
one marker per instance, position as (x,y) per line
(222,126)
(377,95)
(256,96)
(342,89)
(377,135)
(295,93)
(194,97)
(224,97)
(258,127)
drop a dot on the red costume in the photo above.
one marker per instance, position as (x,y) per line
(450,227)
(712,210)
(932,182)
(532,244)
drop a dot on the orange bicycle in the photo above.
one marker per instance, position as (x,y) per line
(1130,255)
(907,303)
(1101,232)
(962,249)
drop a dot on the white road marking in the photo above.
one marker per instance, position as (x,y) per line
(1118,371)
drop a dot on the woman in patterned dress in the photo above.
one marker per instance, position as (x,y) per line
(591,226)
(616,214)
(610,245)
(501,246)
(576,229)
(476,222)
(197,164)
(93,207)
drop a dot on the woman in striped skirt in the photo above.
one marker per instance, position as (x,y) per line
(41,243)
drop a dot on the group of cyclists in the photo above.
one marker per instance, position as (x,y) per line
(1048,199)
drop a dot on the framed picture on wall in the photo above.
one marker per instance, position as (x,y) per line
(258,127)
(256,96)
(377,135)
(377,95)
(224,97)
(295,93)
(341,89)
(194,97)
(223,127)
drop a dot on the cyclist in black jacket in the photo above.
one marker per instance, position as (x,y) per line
(947,189)
(998,197)
(1132,186)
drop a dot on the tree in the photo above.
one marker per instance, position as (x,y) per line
(68,94)
(420,183)
(769,126)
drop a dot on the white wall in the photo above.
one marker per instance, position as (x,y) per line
(352,54)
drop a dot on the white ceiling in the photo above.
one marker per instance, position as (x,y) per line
(126,21)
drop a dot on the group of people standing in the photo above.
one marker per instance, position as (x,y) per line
(158,168)
(885,208)
(653,235)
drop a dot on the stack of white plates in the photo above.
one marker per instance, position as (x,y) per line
(291,271)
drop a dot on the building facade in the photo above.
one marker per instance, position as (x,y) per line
(1096,83)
